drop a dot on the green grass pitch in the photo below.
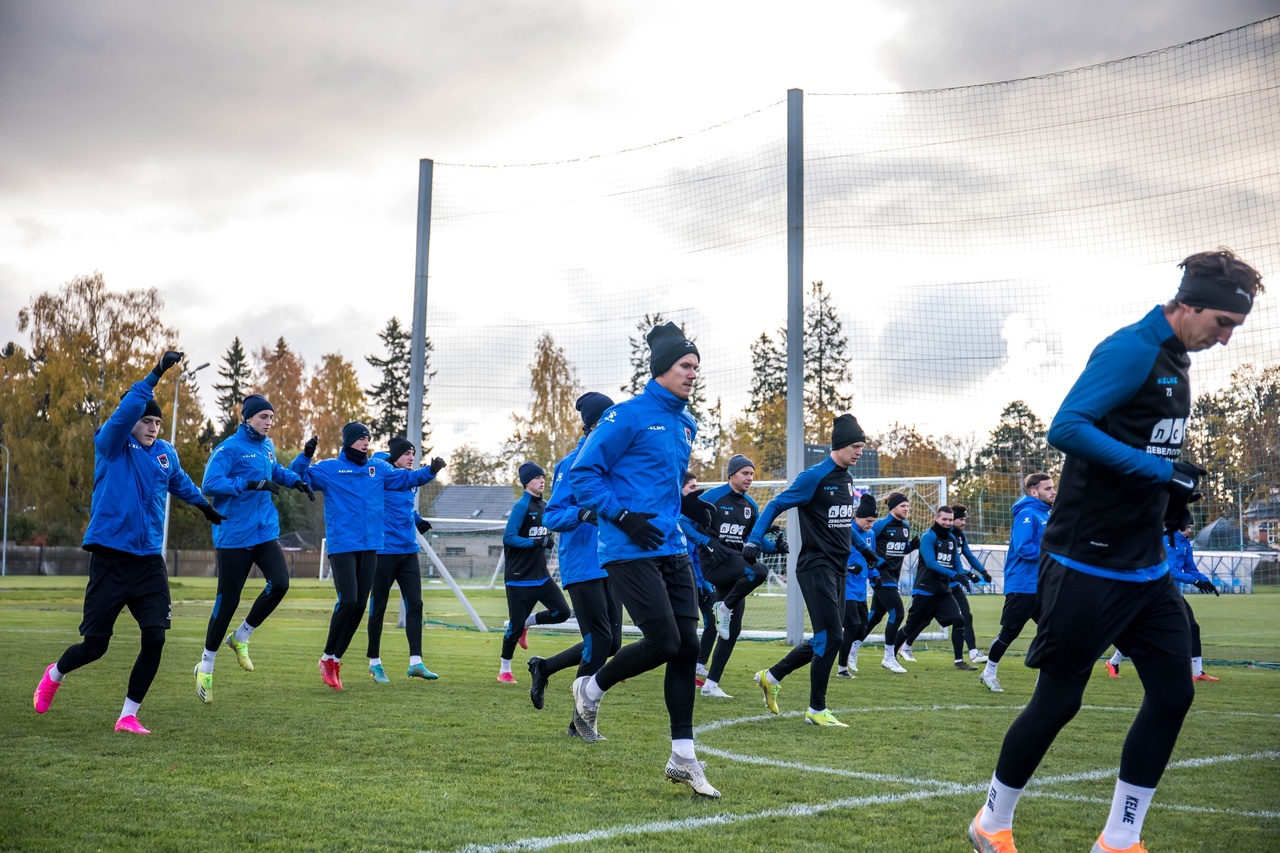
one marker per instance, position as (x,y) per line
(281,762)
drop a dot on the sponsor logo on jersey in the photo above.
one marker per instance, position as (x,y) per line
(373,471)
(163,459)
(746,512)
(1167,380)
(659,427)
(610,416)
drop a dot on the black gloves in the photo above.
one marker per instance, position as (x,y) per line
(986,576)
(780,544)
(1206,587)
(914,544)
(262,486)
(301,486)
(588,516)
(168,360)
(637,527)
(309,449)
(855,569)
(716,552)
(423,525)
(963,579)
(876,581)
(750,552)
(1184,481)
(437,465)
(212,514)
(694,508)
(548,541)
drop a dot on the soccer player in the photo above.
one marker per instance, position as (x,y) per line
(398,563)
(1021,570)
(931,596)
(957,589)
(133,469)
(893,542)
(629,473)
(732,517)
(861,564)
(354,487)
(706,590)
(595,605)
(240,479)
(1104,574)
(823,495)
(525,544)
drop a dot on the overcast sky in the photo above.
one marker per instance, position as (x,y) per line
(257,161)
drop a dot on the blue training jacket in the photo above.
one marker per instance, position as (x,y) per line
(400,518)
(355,497)
(1022,562)
(1182,560)
(130,481)
(251,516)
(635,459)
(855,584)
(579,542)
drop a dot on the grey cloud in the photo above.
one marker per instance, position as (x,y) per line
(239,89)
(946,44)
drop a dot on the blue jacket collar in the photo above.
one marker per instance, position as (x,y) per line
(663,397)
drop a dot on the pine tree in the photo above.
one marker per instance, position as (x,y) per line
(237,379)
(826,354)
(390,396)
(640,353)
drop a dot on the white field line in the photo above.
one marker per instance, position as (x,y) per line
(935,788)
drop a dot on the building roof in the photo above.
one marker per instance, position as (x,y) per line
(473,504)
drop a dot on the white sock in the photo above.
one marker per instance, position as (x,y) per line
(840,668)
(769,677)
(375,661)
(853,652)
(683,750)
(1116,658)
(905,647)
(710,685)
(1197,666)
(242,633)
(701,671)
(593,691)
(973,654)
(997,814)
(131,707)
(990,670)
(506,666)
(811,711)
(414,660)
(56,675)
(1128,810)
(327,657)
(888,652)
(531,621)
(206,661)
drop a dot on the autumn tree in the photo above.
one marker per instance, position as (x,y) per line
(553,426)
(281,374)
(88,345)
(335,400)
(237,379)
(470,466)
(390,395)
(905,452)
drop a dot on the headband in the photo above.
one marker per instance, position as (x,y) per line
(1200,292)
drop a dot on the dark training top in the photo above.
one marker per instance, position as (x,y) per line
(1121,427)
(524,558)
(939,563)
(823,494)
(893,543)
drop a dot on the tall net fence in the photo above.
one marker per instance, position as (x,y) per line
(973,244)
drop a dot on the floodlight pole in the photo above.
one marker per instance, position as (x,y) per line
(173,439)
(1240,503)
(795,345)
(418,343)
(4,543)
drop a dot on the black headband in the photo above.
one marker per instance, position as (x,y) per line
(1200,292)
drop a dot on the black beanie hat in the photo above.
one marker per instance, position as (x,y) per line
(866,506)
(592,404)
(1178,521)
(152,409)
(667,345)
(894,499)
(530,471)
(353,432)
(845,431)
(398,447)
(737,462)
(253,404)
